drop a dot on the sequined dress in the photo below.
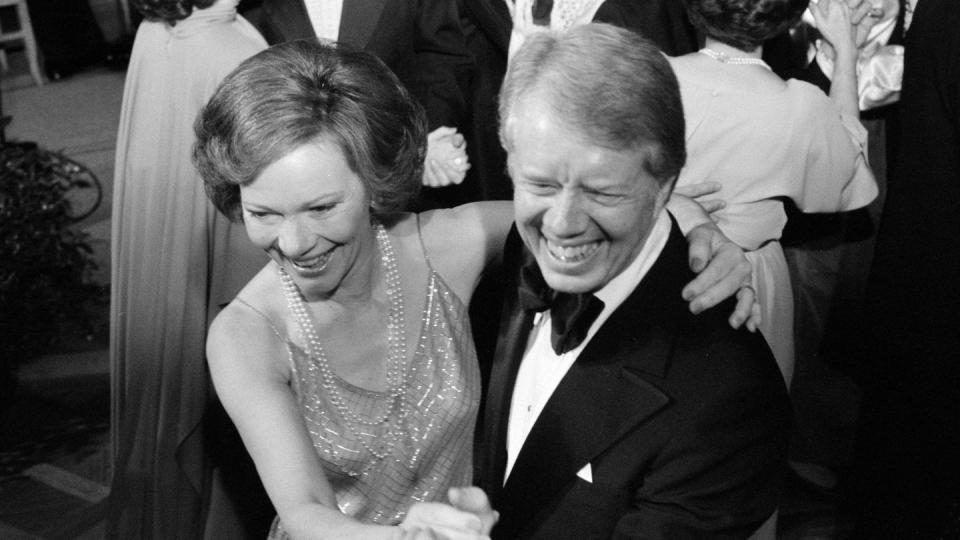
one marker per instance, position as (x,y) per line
(429,449)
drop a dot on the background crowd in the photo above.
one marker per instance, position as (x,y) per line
(818,173)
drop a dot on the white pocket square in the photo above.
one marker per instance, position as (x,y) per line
(586,473)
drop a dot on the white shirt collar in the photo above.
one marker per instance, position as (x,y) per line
(541,369)
(619,288)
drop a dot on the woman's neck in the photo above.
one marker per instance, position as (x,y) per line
(732,51)
(364,278)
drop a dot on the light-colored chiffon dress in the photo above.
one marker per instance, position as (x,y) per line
(174,261)
(764,147)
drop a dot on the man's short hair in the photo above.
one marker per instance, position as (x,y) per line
(606,82)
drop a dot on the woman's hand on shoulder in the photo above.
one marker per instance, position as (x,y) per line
(723,271)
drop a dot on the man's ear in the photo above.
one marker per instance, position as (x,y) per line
(664,194)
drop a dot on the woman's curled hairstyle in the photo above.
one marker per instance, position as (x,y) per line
(169,11)
(299,92)
(744,24)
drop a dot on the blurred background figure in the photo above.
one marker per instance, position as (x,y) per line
(829,254)
(907,470)
(422,42)
(174,261)
(737,110)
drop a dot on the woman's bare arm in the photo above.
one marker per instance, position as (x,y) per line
(248,365)
(463,241)
(246,361)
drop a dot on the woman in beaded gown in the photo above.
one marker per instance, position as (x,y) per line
(764,139)
(347,363)
(175,259)
(356,331)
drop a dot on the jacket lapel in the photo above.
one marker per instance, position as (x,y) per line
(358,22)
(608,391)
(515,325)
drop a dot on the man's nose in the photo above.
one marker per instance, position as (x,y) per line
(565,217)
(293,239)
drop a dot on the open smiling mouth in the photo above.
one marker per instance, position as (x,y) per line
(571,254)
(313,264)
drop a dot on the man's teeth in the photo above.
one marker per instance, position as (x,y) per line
(572,253)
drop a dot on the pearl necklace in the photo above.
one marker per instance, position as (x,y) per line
(396,357)
(724,58)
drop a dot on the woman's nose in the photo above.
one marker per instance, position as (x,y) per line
(293,239)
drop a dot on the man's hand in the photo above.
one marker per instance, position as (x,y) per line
(723,271)
(474,500)
(446,162)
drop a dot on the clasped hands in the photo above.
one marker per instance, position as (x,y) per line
(469,516)
(446,162)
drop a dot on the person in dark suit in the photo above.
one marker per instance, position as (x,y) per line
(421,42)
(907,470)
(646,421)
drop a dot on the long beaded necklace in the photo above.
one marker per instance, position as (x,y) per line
(396,356)
(725,58)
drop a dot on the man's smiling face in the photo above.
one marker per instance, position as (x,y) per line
(583,210)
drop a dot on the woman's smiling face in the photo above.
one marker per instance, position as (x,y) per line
(311,213)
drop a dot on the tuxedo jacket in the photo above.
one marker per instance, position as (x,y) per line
(682,422)
(421,41)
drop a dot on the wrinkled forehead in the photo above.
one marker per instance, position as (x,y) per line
(543,110)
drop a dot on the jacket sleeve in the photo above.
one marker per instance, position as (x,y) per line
(721,473)
(443,63)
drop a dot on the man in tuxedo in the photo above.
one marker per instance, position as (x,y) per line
(612,410)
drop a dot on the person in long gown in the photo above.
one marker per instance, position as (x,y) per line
(764,139)
(347,363)
(174,261)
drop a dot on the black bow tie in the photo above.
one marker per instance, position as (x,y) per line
(571,314)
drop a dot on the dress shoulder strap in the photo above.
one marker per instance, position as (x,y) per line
(273,327)
(423,246)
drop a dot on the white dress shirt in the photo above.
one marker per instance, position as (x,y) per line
(541,369)
(325,17)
